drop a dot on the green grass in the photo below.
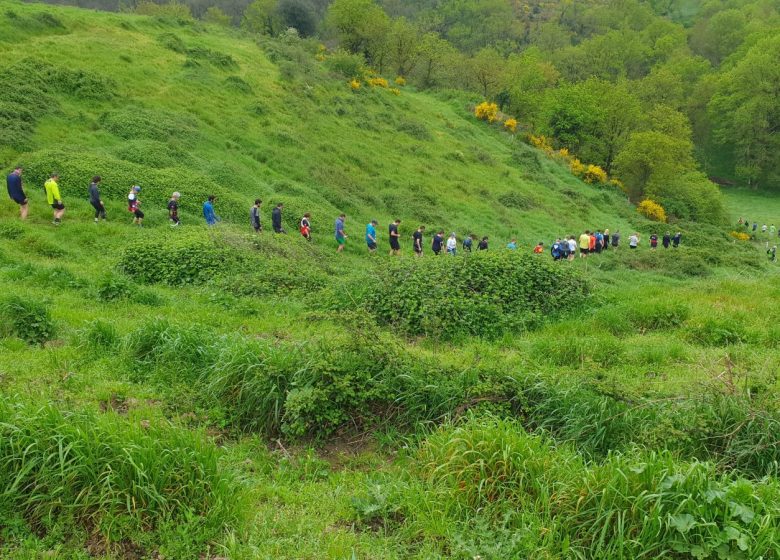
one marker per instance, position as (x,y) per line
(199,392)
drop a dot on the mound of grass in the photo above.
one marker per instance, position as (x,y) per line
(115,478)
(26,319)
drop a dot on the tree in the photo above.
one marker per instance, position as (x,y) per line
(485,70)
(746,112)
(403,46)
(435,56)
(216,16)
(719,36)
(361,26)
(526,78)
(261,16)
(299,15)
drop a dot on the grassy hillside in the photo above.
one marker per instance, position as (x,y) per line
(211,393)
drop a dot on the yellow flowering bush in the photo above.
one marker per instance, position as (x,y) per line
(319,57)
(576,167)
(354,84)
(617,183)
(378,82)
(652,210)
(486,111)
(510,124)
(594,174)
(395,91)
(564,153)
(740,235)
(400,81)
(541,142)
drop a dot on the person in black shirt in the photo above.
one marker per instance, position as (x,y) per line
(276,218)
(468,242)
(395,245)
(667,240)
(173,209)
(676,239)
(418,241)
(16,192)
(254,216)
(483,245)
(438,241)
(94,199)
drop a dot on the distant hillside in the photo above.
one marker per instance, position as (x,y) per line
(183,106)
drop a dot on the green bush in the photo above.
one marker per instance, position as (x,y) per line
(121,480)
(82,84)
(173,42)
(112,287)
(346,65)
(11,231)
(485,294)
(657,315)
(192,258)
(136,123)
(26,319)
(152,153)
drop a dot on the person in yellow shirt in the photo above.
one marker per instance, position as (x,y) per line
(585,244)
(53,197)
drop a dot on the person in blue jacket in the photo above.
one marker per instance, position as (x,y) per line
(208,211)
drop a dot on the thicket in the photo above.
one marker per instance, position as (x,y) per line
(108,477)
(501,492)
(482,294)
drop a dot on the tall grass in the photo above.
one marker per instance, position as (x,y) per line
(113,477)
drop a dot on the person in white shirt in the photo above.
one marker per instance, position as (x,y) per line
(633,241)
(452,244)
(572,247)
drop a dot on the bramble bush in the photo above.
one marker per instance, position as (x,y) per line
(26,319)
(484,294)
(189,258)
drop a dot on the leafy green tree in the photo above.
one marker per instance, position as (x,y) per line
(436,58)
(485,71)
(216,16)
(719,36)
(746,112)
(298,14)
(361,27)
(261,16)
(403,46)
(526,78)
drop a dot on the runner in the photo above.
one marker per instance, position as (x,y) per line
(417,237)
(173,209)
(633,241)
(16,191)
(94,199)
(468,242)
(133,205)
(667,240)
(395,245)
(606,240)
(306,226)
(653,241)
(584,244)
(512,245)
(54,199)
(572,247)
(616,239)
(254,216)
(483,245)
(452,244)
(438,241)
(676,239)
(276,218)
(539,249)
(208,211)
(341,236)
(371,236)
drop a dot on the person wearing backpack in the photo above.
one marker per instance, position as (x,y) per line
(653,241)
(133,205)
(306,226)
(468,242)
(173,209)
(438,242)
(94,199)
(53,197)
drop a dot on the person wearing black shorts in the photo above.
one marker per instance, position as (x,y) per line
(94,199)
(418,241)
(16,192)
(395,244)
(133,205)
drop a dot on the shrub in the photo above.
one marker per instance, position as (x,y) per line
(135,123)
(354,84)
(400,81)
(652,210)
(377,82)
(237,84)
(185,259)
(594,174)
(740,235)
(113,286)
(118,479)
(485,294)
(48,78)
(511,125)
(345,64)
(26,319)
(486,112)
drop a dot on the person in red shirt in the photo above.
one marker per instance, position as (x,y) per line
(592,247)
(539,249)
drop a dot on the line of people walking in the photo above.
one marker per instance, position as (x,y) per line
(563,248)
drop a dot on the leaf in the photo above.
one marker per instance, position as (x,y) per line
(683,522)
(745,513)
